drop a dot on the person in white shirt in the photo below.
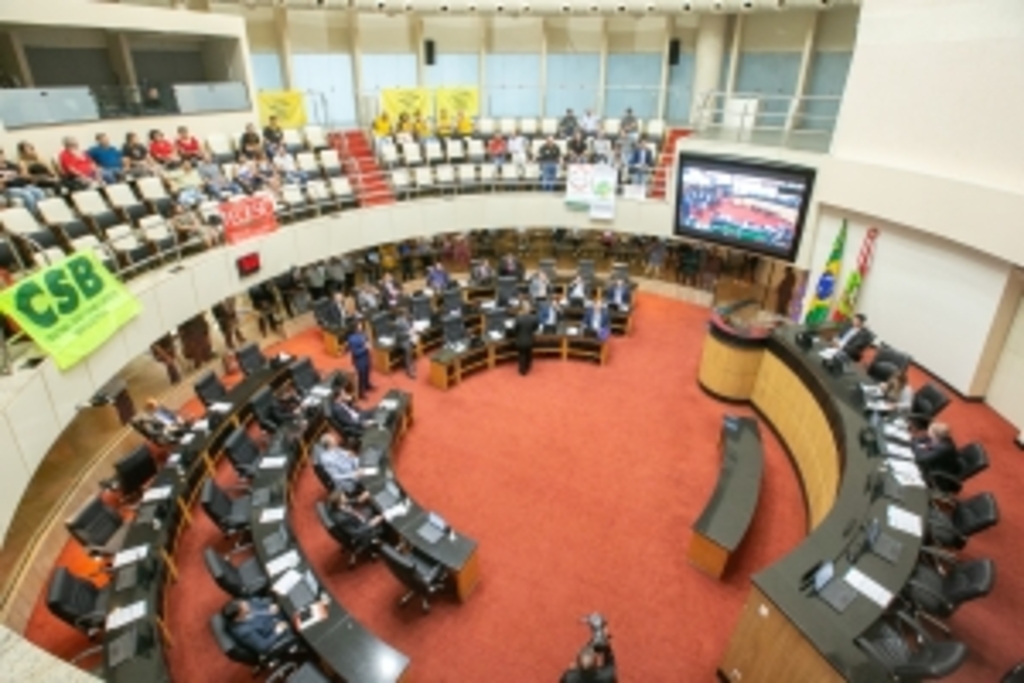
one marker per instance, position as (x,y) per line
(854,339)
(286,166)
(589,123)
(897,394)
(341,465)
(517,147)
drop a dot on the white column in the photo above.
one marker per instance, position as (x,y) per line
(542,95)
(602,74)
(284,46)
(485,40)
(421,57)
(707,62)
(795,105)
(363,118)
(734,54)
(665,69)
(121,58)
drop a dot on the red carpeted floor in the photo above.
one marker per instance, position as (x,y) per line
(580,484)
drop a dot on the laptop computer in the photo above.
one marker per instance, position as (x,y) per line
(881,543)
(275,543)
(433,529)
(304,592)
(834,591)
(371,456)
(146,514)
(123,647)
(127,577)
(388,497)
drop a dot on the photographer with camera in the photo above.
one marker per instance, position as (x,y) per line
(595,662)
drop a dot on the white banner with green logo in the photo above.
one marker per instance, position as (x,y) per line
(591,188)
(70,308)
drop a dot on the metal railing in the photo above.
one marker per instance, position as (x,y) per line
(776,120)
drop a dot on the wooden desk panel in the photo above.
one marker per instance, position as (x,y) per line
(729,371)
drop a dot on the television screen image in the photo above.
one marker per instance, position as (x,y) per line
(753,206)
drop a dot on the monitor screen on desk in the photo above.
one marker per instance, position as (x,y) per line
(754,205)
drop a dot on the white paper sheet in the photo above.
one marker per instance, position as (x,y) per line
(904,520)
(397,510)
(389,404)
(271,515)
(495,334)
(130,555)
(126,615)
(287,581)
(572,330)
(829,353)
(273,463)
(220,407)
(900,451)
(156,493)
(872,390)
(187,439)
(201,426)
(868,587)
(894,431)
(320,391)
(282,563)
(386,341)
(420,325)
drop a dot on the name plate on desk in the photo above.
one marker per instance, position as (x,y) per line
(157,493)
(130,555)
(126,615)
(271,515)
(273,463)
(282,563)
(220,407)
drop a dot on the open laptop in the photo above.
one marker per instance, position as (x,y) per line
(275,543)
(124,647)
(433,529)
(388,497)
(881,543)
(833,590)
(127,577)
(304,592)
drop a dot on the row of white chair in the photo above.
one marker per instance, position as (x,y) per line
(454,151)
(426,177)
(530,126)
(222,146)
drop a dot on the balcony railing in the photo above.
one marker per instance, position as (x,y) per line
(775,120)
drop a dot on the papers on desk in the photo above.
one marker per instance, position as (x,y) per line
(271,515)
(904,520)
(130,555)
(868,587)
(624,308)
(878,406)
(201,426)
(895,431)
(897,450)
(386,341)
(428,291)
(871,390)
(187,439)
(489,305)
(126,615)
(905,472)
(388,404)
(156,493)
(310,401)
(273,463)
(284,357)
(369,471)
(220,407)
(288,580)
(829,353)
(420,325)
(320,391)
(495,335)
(174,459)
(509,324)
(573,330)
(396,511)
(282,563)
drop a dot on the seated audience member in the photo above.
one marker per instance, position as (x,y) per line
(463,124)
(481,273)
(390,290)
(265,167)
(518,150)
(403,129)
(445,125)
(540,287)
(273,136)
(597,319)
(249,178)
(548,312)
(618,295)
(368,299)
(603,151)
(592,665)
(340,464)
(137,160)
(421,127)
(162,422)
(934,448)
(382,125)
(345,412)
(37,169)
(287,168)
(79,171)
(108,158)
(897,394)
(549,155)
(854,338)
(187,145)
(438,278)
(510,267)
(589,124)
(629,127)
(315,278)
(162,151)
(188,224)
(215,182)
(257,623)
(406,339)
(15,184)
(641,161)
(186,185)
(249,144)
(567,125)
(497,149)
(576,292)
(356,518)
(577,149)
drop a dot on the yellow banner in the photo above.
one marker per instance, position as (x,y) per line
(397,101)
(289,106)
(451,101)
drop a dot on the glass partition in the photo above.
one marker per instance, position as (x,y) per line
(24,107)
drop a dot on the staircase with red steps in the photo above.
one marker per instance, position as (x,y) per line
(369,181)
(666,158)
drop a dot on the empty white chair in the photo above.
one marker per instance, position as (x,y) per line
(563,145)
(466,173)
(487,174)
(155,194)
(341,188)
(91,243)
(423,177)
(400,180)
(531,171)
(549,127)
(55,211)
(388,153)
(655,129)
(315,137)
(18,221)
(509,173)
(292,140)
(293,197)
(456,150)
(123,198)
(330,162)
(476,150)
(611,126)
(445,175)
(485,126)
(319,194)
(433,151)
(307,162)
(535,146)
(412,154)
(123,240)
(528,126)
(507,126)
(155,230)
(220,146)
(90,203)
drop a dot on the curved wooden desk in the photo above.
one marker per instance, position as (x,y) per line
(786,633)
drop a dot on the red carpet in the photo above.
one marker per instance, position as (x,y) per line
(580,484)
(666,161)
(368,180)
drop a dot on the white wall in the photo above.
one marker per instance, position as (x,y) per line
(1006,392)
(927,296)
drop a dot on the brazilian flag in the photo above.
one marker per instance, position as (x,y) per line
(824,293)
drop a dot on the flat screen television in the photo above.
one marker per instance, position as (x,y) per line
(753,205)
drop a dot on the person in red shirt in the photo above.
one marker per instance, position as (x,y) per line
(188,145)
(78,169)
(161,149)
(497,149)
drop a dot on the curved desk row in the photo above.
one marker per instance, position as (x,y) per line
(786,632)
(156,526)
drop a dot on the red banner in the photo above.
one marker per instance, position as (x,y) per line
(247,217)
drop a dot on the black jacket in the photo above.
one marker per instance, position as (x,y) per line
(525,329)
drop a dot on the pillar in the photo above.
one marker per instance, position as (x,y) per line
(796,104)
(284,46)
(707,65)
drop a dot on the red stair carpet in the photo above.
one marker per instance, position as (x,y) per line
(666,160)
(368,180)
(580,484)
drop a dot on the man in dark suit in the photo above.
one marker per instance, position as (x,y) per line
(618,295)
(525,328)
(258,625)
(510,267)
(854,338)
(356,518)
(547,314)
(598,320)
(592,665)
(349,418)
(935,450)
(482,273)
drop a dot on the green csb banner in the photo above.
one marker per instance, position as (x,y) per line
(70,308)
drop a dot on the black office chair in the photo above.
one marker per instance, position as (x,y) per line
(98,527)
(547,266)
(951,529)
(971,460)
(420,308)
(621,271)
(383,325)
(248,578)
(78,603)
(250,359)
(308,673)
(132,473)
(230,515)
(886,363)
(888,645)
(243,453)
(318,467)
(356,549)
(1014,675)
(451,301)
(507,291)
(585,268)
(420,576)
(272,663)
(266,410)
(928,402)
(939,595)
(210,390)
